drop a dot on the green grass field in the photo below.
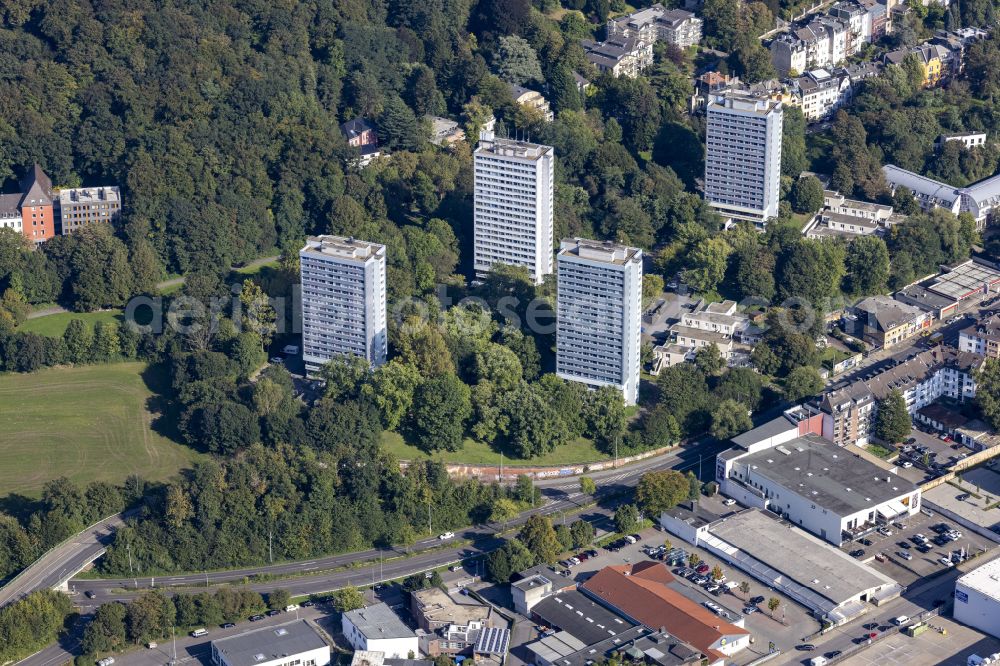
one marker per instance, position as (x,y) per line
(54,325)
(89,423)
(580,450)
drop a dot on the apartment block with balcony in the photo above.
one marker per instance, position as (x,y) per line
(84,206)
(982,338)
(674,26)
(343,300)
(598,315)
(743,157)
(513,210)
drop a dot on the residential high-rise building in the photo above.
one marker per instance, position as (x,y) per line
(87,205)
(599,294)
(514,183)
(743,158)
(343,300)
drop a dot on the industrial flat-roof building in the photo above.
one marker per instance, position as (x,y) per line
(294,643)
(819,486)
(827,581)
(977,598)
(535,584)
(376,628)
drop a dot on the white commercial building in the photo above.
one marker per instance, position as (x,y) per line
(977,598)
(818,486)
(294,643)
(343,300)
(514,183)
(826,580)
(599,311)
(377,629)
(743,160)
(979,199)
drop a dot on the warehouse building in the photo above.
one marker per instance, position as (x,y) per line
(977,598)
(827,581)
(292,643)
(819,486)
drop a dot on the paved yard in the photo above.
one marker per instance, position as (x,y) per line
(972,509)
(928,649)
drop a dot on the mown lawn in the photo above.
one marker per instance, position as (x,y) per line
(89,423)
(580,450)
(54,325)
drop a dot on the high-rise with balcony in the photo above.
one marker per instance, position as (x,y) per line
(743,157)
(343,300)
(514,183)
(599,304)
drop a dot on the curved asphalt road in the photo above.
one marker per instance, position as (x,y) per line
(559,495)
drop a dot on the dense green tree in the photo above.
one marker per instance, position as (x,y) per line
(867,266)
(516,62)
(802,382)
(539,537)
(708,262)
(806,195)
(659,491)
(441,406)
(793,142)
(511,557)
(730,418)
(988,391)
(709,360)
(279,598)
(106,632)
(685,395)
(892,420)
(581,533)
(626,518)
(348,599)
(391,389)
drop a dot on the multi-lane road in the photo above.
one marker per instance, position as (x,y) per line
(561,496)
(63,561)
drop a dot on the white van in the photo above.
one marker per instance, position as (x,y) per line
(291,607)
(817,661)
(901,620)
(198,633)
(630,539)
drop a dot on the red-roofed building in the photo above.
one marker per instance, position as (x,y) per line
(641,593)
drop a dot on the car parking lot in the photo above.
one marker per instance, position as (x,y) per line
(924,554)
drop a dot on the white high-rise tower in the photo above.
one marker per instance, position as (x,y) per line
(514,183)
(743,157)
(598,314)
(343,300)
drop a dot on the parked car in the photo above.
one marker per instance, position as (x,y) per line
(866,542)
(256,618)
(885,531)
(805,647)
(963,497)
(901,620)
(228,625)
(446,536)
(757,600)
(703,568)
(924,548)
(700,580)
(749,610)
(906,464)
(291,607)
(904,545)
(905,555)
(729,501)
(712,587)
(857,553)
(308,604)
(946,561)
(272,613)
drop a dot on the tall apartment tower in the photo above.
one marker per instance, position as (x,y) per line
(743,158)
(599,294)
(514,183)
(343,300)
